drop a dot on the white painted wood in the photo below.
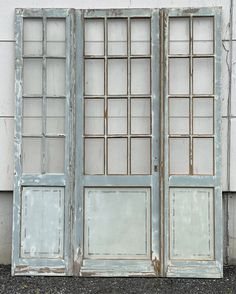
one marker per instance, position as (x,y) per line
(233,88)
(225,77)
(7,97)
(117,223)
(233,156)
(224,153)
(6,153)
(191,223)
(5,227)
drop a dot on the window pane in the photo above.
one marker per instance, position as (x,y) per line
(203,155)
(32,155)
(140,76)
(32,116)
(94,37)
(140,155)
(178,116)
(178,76)
(33,36)
(94,156)
(94,116)
(117,116)
(203,116)
(55,109)
(179,35)
(117,156)
(117,36)
(94,77)
(179,155)
(117,77)
(140,36)
(140,116)
(203,32)
(55,155)
(32,76)
(203,76)
(56,77)
(56,37)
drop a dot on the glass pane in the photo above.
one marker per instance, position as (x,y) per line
(94,37)
(179,155)
(56,37)
(117,77)
(94,77)
(56,77)
(178,116)
(203,116)
(117,116)
(117,36)
(32,116)
(33,36)
(203,76)
(32,155)
(55,123)
(55,155)
(94,116)
(178,76)
(179,35)
(32,76)
(140,76)
(140,155)
(203,32)
(140,116)
(117,156)
(140,36)
(203,156)
(94,156)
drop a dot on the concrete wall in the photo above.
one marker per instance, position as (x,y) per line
(7,93)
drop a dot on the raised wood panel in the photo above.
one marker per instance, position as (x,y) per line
(42,224)
(191,224)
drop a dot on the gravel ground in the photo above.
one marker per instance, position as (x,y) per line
(46,285)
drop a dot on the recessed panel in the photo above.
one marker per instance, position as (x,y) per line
(203,76)
(33,36)
(94,156)
(178,76)
(117,116)
(140,76)
(117,223)
(55,155)
(179,155)
(94,77)
(32,155)
(140,116)
(94,116)
(140,36)
(191,224)
(94,37)
(42,222)
(203,156)
(56,77)
(117,77)
(117,36)
(32,76)
(117,156)
(203,34)
(140,156)
(179,33)
(55,121)
(178,116)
